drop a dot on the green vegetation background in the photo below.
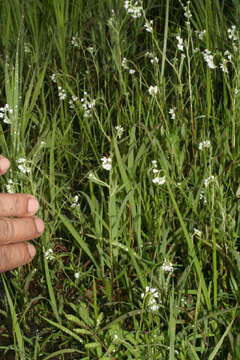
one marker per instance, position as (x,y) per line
(111,234)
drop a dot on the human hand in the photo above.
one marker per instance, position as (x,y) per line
(14,232)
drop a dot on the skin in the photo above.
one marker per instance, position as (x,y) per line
(15,250)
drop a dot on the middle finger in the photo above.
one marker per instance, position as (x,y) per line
(20,229)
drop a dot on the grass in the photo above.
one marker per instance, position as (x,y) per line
(110,234)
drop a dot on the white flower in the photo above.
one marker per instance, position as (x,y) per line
(49,254)
(208,57)
(61,93)
(134,10)
(10,187)
(151,295)
(23,167)
(75,202)
(202,34)
(53,78)
(172,113)
(180,43)
(4,114)
(159,180)
(75,42)
(154,162)
(87,105)
(204,144)
(148,26)
(120,131)
(153,90)
(208,180)
(167,266)
(232,33)
(132,71)
(197,232)
(106,163)
(124,64)
(77,275)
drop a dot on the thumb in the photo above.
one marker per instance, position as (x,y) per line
(4,165)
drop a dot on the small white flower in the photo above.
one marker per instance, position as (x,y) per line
(75,202)
(232,33)
(124,64)
(153,90)
(151,295)
(75,42)
(167,266)
(53,78)
(208,57)
(202,34)
(180,43)
(10,187)
(159,180)
(22,166)
(132,71)
(120,131)
(148,26)
(204,144)
(61,93)
(77,275)
(154,163)
(49,254)
(133,9)
(172,113)
(208,180)
(106,163)
(197,232)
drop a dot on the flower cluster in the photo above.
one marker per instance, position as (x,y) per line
(126,67)
(157,179)
(133,9)
(75,202)
(151,295)
(106,163)
(53,78)
(167,266)
(49,254)
(172,113)
(4,114)
(197,232)
(187,12)
(22,166)
(153,58)
(180,43)
(119,130)
(225,60)
(10,187)
(204,144)
(208,57)
(87,105)
(232,33)
(152,90)
(148,26)
(208,180)
(72,101)
(61,93)
(75,42)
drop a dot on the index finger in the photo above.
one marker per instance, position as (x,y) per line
(4,165)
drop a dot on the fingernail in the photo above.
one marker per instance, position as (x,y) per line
(33,205)
(31,250)
(39,224)
(4,164)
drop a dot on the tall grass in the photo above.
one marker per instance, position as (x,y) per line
(128,267)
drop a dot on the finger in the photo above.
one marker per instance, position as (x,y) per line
(14,255)
(18,205)
(4,165)
(18,230)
